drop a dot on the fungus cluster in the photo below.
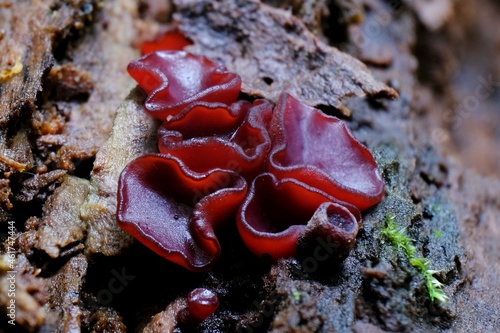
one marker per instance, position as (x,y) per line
(279,172)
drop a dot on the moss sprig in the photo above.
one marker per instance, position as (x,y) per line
(399,239)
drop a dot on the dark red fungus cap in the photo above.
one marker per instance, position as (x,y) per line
(174,80)
(275,214)
(201,303)
(242,149)
(201,119)
(331,229)
(172,40)
(319,150)
(173,210)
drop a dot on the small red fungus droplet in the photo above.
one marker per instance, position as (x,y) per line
(175,80)
(201,303)
(168,41)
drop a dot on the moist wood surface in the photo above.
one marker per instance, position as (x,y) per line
(399,74)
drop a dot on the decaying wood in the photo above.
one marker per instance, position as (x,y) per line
(63,101)
(134,133)
(273,52)
(30,32)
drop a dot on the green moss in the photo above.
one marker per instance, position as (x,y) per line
(399,239)
(435,208)
(437,233)
(296,295)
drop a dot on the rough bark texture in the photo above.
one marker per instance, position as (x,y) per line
(134,133)
(63,311)
(273,52)
(31,292)
(67,128)
(30,31)
(58,110)
(60,225)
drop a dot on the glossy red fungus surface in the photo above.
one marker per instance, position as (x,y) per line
(307,175)
(173,210)
(320,151)
(201,119)
(275,214)
(168,41)
(174,80)
(242,149)
(201,303)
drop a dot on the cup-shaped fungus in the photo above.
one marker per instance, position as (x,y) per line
(320,151)
(173,210)
(201,119)
(172,40)
(175,79)
(332,230)
(275,213)
(242,149)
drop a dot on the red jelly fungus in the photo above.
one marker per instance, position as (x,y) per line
(174,80)
(243,149)
(276,212)
(167,41)
(308,174)
(320,151)
(206,119)
(331,228)
(201,303)
(173,210)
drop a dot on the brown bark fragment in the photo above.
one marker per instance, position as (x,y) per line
(63,311)
(29,31)
(89,84)
(166,321)
(68,82)
(5,194)
(273,51)
(134,134)
(32,186)
(30,291)
(107,320)
(61,224)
